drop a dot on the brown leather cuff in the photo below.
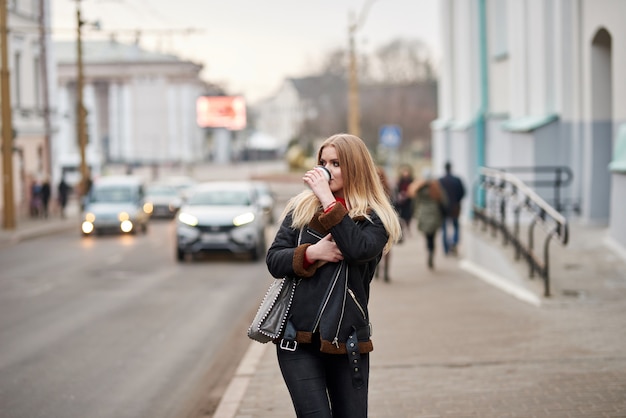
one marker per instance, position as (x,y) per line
(332,218)
(298,262)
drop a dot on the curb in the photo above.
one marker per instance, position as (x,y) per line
(229,404)
(501,283)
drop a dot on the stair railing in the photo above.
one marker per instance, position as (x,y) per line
(498,193)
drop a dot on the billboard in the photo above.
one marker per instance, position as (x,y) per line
(221,112)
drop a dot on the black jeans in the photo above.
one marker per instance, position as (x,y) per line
(320,384)
(430,242)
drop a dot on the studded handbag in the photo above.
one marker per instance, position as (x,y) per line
(269,321)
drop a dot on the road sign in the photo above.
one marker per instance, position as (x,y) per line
(390,136)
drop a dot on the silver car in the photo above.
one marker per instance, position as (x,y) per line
(266,200)
(115,204)
(221,216)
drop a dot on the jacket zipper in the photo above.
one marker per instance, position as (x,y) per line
(310,231)
(330,292)
(343,310)
(335,341)
(358,305)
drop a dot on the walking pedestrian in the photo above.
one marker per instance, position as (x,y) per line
(331,238)
(455,191)
(402,202)
(387,257)
(45,197)
(430,199)
(35,199)
(64,191)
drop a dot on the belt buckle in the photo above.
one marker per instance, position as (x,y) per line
(288,345)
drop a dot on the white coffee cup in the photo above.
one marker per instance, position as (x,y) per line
(324,171)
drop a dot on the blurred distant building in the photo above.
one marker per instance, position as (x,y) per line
(544,86)
(141,106)
(311,108)
(303,109)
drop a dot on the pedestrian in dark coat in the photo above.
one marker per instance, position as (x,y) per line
(455,192)
(402,202)
(64,191)
(45,197)
(331,238)
(387,257)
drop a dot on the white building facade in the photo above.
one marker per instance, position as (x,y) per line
(141,107)
(529,83)
(281,115)
(32,101)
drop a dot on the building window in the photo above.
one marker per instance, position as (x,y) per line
(500,23)
(17,77)
(40,159)
(37,83)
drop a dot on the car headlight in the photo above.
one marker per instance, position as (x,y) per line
(123,216)
(126,226)
(243,219)
(87,227)
(188,219)
(148,207)
(90,217)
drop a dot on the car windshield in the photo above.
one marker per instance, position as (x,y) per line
(161,191)
(263,190)
(113,194)
(220,198)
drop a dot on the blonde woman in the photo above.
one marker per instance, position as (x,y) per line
(332,236)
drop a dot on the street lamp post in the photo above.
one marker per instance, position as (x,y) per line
(354,111)
(81,112)
(8,219)
(354,108)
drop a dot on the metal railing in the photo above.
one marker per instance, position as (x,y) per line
(548,177)
(497,194)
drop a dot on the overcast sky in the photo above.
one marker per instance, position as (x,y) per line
(250,46)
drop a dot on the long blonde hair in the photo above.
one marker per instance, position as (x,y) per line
(362,188)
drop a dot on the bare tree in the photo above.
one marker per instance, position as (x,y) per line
(335,63)
(398,86)
(402,61)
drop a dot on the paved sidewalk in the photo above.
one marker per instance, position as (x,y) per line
(29,228)
(448,344)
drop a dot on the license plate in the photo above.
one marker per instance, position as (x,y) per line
(220,237)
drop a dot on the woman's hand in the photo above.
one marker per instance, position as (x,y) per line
(319,185)
(325,249)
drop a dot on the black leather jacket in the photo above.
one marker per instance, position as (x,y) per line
(330,298)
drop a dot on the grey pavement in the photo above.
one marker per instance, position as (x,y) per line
(29,228)
(473,338)
(453,343)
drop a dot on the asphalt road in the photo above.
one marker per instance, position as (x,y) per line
(113,326)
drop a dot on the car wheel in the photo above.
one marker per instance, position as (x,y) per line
(180,255)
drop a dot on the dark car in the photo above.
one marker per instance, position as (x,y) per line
(162,200)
